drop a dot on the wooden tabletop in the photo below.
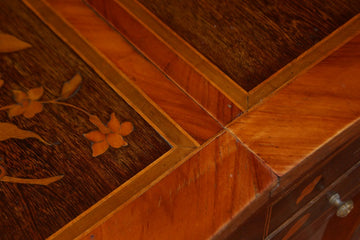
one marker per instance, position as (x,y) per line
(192,158)
(246,39)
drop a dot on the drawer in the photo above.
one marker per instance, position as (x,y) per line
(251,229)
(332,168)
(346,186)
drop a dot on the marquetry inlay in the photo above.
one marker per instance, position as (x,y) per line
(67,139)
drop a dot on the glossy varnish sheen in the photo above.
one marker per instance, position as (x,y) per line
(195,199)
(251,40)
(31,211)
(171,99)
(161,53)
(307,113)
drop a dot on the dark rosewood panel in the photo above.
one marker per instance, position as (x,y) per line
(66,138)
(251,40)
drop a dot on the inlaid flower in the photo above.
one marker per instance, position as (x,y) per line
(27,104)
(110,135)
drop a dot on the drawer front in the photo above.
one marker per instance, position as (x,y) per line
(336,165)
(252,229)
(347,187)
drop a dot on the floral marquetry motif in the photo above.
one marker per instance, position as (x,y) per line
(110,135)
(67,139)
(9,43)
(29,104)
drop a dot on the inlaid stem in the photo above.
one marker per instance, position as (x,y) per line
(68,105)
(40,181)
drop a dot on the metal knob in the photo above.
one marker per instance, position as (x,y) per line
(344,208)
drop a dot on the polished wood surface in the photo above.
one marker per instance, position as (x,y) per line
(283,203)
(195,199)
(251,228)
(99,142)
(306,60)
(297,225)
(308,189)
(119,82)
(166,48)
(212,176)
(173,65)
(306,113)
(168,51)
(50,94)
(251,40)
(316,230)
(172,100)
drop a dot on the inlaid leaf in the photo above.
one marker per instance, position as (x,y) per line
(1,82)
(70,87)
(32,109)
(9,130)
(115,140)
(9,43)
(16,110)
(95,136)
(114,123)
(99,148)
(19,96)
(35,93)
(126,128)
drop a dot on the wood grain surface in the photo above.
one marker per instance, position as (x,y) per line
(36,87)
(167,55)
(251,40)
(308,189)
(243,227)
(296,226)
(206,190)
(195,199)
(119,82)
(306,60)
(172,100)
(306,113)
(316,230)
(178,58)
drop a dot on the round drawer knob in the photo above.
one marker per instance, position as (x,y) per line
(344,208)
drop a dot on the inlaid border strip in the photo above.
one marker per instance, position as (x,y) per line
(182,143)
(242,98)
(306,60)
(189,54)
(117,80)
